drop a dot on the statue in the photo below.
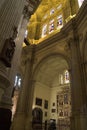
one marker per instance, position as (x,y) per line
(8,49)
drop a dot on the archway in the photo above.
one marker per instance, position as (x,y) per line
(52,88)
(37,116)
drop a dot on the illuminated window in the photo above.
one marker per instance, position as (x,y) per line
(52,12)
(44,30)
(25,38)
(17,83)
(26,33)
(16,80)
(80,2)
(51,26)
(59,22)
(66,76)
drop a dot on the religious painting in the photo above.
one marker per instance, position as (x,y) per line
(46,104)
(38,102)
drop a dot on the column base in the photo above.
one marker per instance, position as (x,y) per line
(28,124)
(21,122)
(5,119)
(18,122)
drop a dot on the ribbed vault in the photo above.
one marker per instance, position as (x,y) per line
(49,69)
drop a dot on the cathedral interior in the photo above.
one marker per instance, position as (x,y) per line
(43,65)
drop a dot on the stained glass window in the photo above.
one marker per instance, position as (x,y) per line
(52,11)
(51,26)
(59,22)
(44,30)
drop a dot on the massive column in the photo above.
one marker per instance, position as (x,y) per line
(78,91)
(19,43)
(6,100)
(10,14)
(23,115)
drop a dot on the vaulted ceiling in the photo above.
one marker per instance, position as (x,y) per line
(46,5)
(48,71)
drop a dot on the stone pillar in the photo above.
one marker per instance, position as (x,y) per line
(6,101)
(23,115)
(10,14)
(78,92)
(19,43)
(5,114)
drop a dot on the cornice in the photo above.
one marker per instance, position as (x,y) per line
(60,37)
(52,40)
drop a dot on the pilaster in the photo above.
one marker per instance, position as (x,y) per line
(23,113)
(78,92)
